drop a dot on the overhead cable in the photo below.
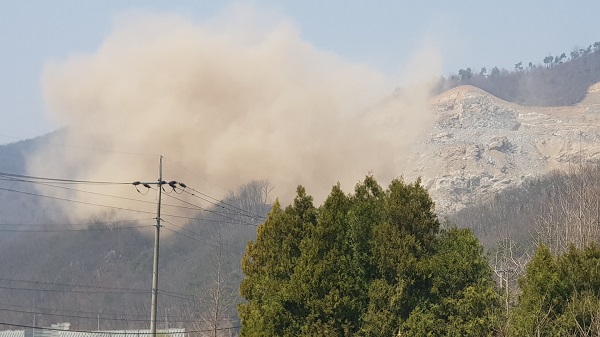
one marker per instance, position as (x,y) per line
(74,201)
(113,333)
(69,284)
(61,180)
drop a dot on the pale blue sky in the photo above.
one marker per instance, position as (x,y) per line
(383,34)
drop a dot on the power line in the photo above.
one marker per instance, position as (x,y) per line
(193,238)
(71,230)
(61,180)
(116,332)
(75,311)
(172,319)
(74,201)
(51,182)
(211,220)
(97,314)
(75,291)
(216,201)
(197,239)
(234,220)
(83,191)
(74,189)
(32,179)
(93,193)
(69,284)
(211,211)
(77,316)
(221,203)
(132,210)
(160,182)
(92,223)
(194,208)
(177,295)
(182,228)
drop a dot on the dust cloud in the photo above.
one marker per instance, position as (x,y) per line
(231,100)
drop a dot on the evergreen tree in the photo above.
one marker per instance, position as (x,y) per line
(366,264)
(400,243)
(325,279)
(542,291)
(560,295)
(268,265)
(461,300)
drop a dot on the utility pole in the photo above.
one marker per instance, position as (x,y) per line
(173,184)
(156,243)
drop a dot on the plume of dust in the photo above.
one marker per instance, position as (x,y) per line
(234,103)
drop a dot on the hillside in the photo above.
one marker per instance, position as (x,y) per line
(18,207)
(100,273)
(558,209)
(480,144)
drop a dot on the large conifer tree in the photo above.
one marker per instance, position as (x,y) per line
(369,264)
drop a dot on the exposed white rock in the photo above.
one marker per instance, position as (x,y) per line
(480,144)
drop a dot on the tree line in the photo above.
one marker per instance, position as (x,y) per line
(556,209)
(373,263)
(559,212)
(378,262)
(561,80)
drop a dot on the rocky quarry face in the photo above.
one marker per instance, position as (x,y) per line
(480,144)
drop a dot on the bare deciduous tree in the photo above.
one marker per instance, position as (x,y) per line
(214,313)
(571,213)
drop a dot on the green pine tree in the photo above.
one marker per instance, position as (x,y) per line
(560,295)
(268,264)
(367,264)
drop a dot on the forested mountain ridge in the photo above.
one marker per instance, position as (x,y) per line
(561,80)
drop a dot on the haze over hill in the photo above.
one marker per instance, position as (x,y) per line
(480,144)
(477,146)
(234,101)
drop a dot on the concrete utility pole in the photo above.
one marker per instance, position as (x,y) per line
(159,183)
(153,307)
(156,243)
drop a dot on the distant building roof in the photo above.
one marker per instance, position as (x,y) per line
(12,333)
(61,330)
